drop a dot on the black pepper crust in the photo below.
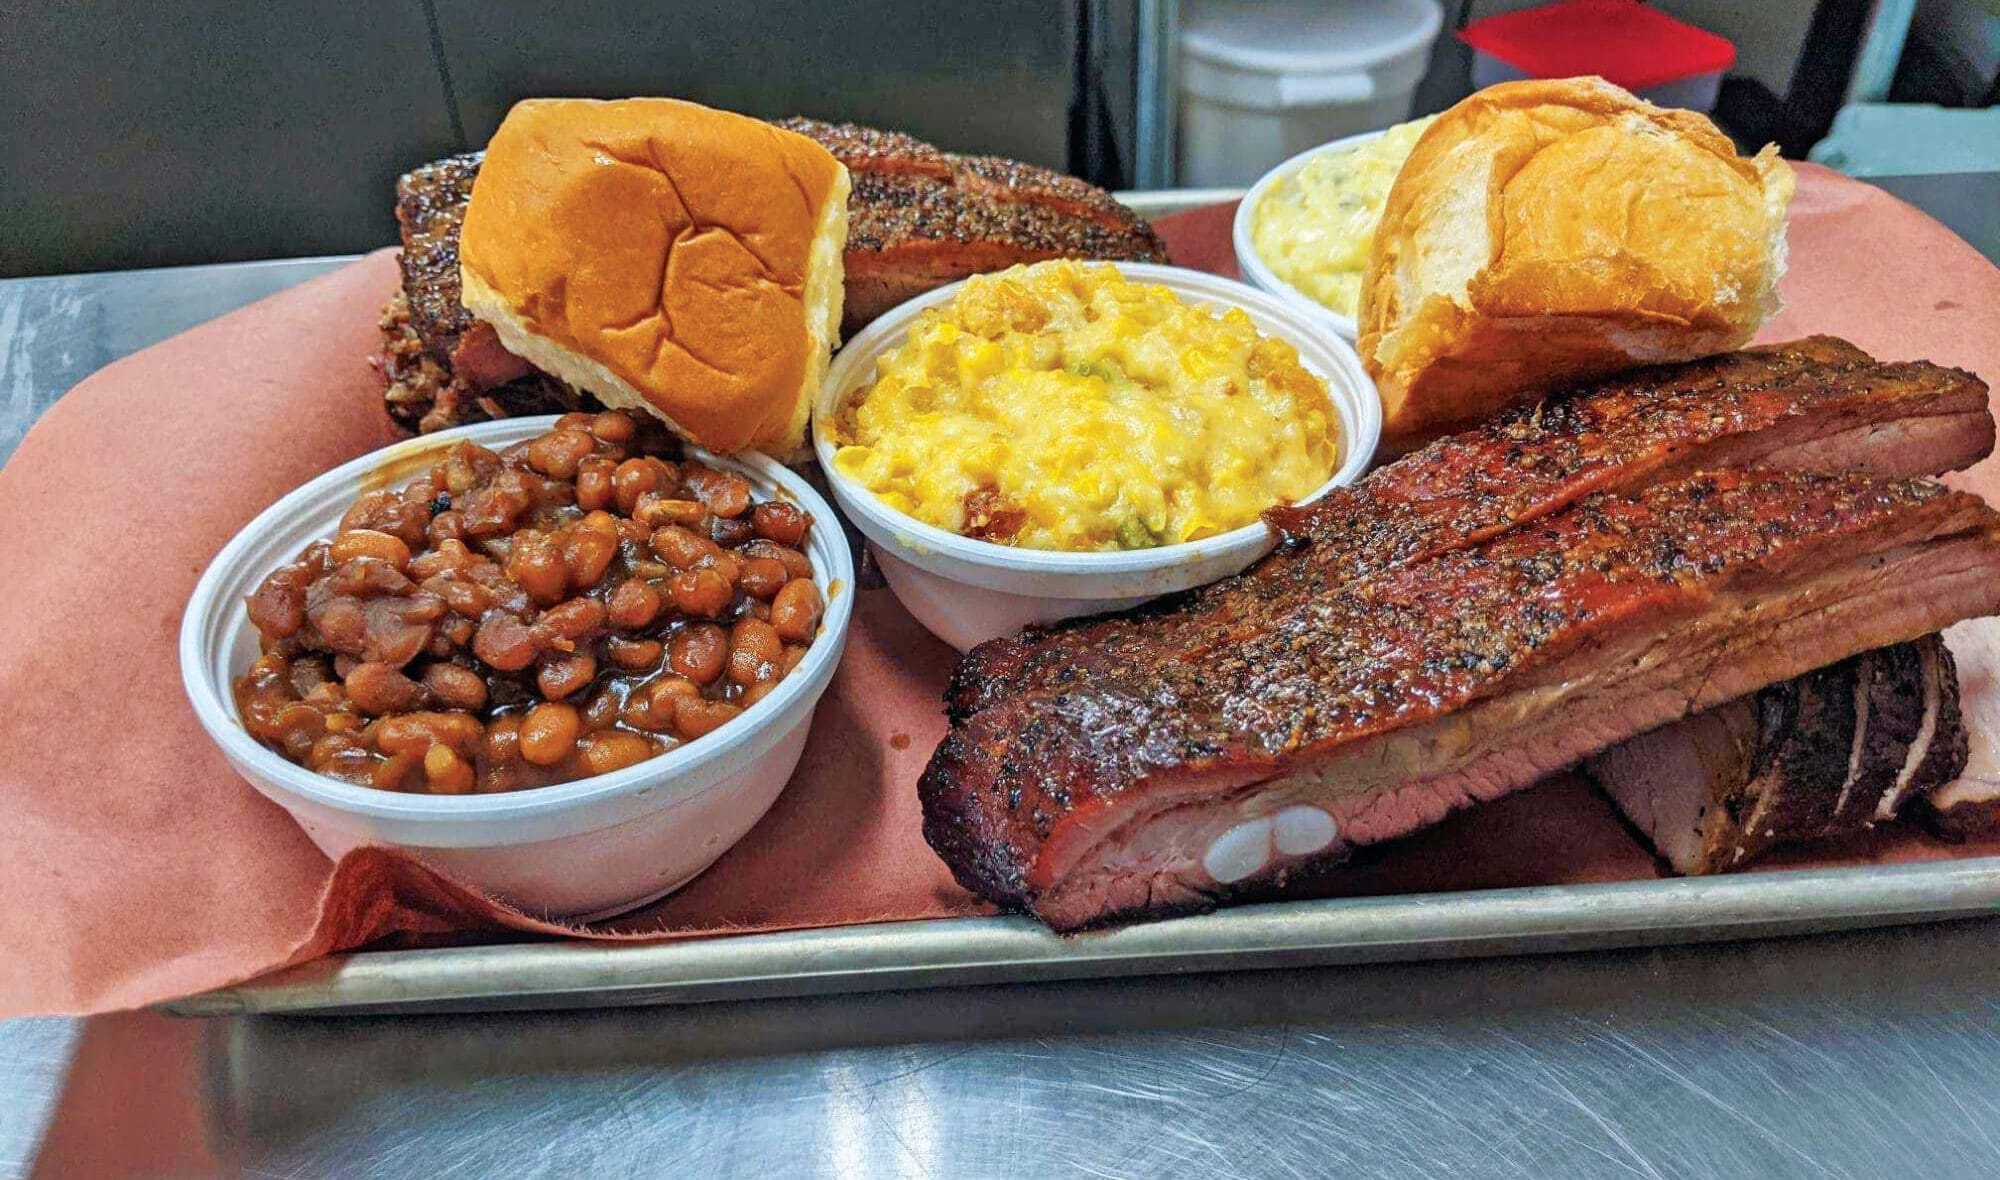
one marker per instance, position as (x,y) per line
(1727,411)
(430,208)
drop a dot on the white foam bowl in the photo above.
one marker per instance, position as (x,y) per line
(967,591)
(577,850)
(1252,264)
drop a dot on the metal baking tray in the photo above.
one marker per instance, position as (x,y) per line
(950,952)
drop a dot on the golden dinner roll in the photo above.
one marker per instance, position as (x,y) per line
(1547,232)
(666,257)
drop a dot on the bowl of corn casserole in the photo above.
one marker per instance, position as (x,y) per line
(1066,438)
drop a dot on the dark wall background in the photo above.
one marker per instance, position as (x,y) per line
(161,134)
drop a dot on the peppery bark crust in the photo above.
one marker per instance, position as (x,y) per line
(1814,404)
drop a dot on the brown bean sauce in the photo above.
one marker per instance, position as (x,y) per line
(566,607)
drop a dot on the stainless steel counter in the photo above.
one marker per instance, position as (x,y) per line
(1863,1054)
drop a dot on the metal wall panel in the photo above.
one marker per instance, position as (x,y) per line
(157,134)
(979,76)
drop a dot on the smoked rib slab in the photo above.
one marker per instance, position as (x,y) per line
(1813,404)
(1396,696)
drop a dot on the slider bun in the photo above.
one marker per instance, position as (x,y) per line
(1547,232)
(666,257)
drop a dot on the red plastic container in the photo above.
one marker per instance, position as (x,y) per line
(1661,59)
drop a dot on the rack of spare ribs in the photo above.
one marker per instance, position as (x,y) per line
(1485,611)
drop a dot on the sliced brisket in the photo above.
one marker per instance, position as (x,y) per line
(1826,754)
(1357,713)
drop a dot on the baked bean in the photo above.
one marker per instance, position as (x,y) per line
(376,688)
(601,712)
(613,427)
(417,732)
(699,652)
(338,747)
(588,553)
(702,593)
(762,577)
(635,478)
(634,655)
(446,556)
(795,563)
(652,707)
(456,687)
(381,546)
(593,483)
(730,533)
(795,611)
(327,696)
(562,675)
(504,642)
(395,772)
(277,607)
(754,651)
(669,479)
(776,520)
(496,508)
(392,512)
(698,716)
(572,622)
(612,750)
(794,652)
(633,605)
(536,565)
(559,453)
(467,598)
(456,631)
(656,510)
(297,727)
(465,465)
(756,692)
(446,773)
(682,548)
(575,420)
(548,733)
(503,739)
(446,526)
(724,492)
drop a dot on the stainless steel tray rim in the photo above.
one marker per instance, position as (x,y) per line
(953,951)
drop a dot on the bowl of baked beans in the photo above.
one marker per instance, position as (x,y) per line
(568,661)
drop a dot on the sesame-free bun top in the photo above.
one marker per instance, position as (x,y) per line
(1550,231)
(666,257)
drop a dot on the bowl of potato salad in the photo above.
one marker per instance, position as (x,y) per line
(1304,230)
(1068,437)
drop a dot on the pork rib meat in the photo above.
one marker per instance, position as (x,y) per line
(1362,712)
(1818,404)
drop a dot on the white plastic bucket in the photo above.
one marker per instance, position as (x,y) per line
(1261,82)
(967,591)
